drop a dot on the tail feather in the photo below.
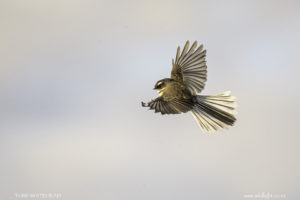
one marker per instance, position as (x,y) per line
(214,112)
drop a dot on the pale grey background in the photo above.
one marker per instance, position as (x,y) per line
(73,73)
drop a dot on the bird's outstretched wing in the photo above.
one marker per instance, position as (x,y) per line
(190,67)
(175,106)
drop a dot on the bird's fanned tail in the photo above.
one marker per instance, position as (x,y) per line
(214,112)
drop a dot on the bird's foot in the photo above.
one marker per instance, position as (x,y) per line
(144,104)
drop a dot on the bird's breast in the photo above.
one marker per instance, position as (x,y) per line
(171,92)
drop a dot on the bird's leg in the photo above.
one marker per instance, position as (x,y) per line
(144,104)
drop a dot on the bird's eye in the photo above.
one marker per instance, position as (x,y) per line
(159,85)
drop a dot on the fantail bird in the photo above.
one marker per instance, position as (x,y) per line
(178,94)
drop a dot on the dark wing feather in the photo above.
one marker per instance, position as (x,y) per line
(175,106)
(190,67)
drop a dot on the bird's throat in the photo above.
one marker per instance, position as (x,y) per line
(160,92)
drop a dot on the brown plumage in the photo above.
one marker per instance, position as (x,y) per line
(178,94)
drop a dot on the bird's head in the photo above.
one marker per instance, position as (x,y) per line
(161,85)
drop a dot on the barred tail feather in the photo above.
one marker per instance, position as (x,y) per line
(214,112)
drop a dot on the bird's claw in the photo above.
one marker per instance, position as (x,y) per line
(144,104)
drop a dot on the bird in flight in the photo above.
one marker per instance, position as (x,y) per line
(179,94)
